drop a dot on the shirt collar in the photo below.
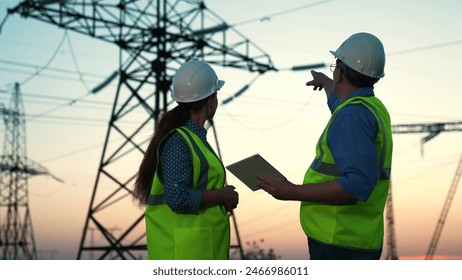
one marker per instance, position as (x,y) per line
(333,102)
(366,91)
(197,129)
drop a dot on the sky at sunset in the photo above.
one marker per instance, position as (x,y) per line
(277,117)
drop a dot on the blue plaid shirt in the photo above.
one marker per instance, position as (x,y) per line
(176,172)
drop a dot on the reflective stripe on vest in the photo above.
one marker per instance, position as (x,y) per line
(203,235)
(331,169)
(359,225)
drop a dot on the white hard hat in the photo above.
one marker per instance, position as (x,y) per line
(194,81)
(364,53)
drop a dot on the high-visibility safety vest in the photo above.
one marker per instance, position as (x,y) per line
(359,225)
(201,236)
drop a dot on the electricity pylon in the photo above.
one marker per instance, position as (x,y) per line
(16,233)
(154,38)
(433,129)
(392,253)
(444,213)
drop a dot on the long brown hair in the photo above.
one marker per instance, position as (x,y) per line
(166,123)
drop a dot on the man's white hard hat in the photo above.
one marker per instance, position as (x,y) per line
(194,81)
(364,53)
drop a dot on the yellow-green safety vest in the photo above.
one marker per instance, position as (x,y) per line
(360,225)
(201,236)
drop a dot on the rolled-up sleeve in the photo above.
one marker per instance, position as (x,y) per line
(351,139)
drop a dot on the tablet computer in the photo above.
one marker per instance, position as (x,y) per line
(246,170)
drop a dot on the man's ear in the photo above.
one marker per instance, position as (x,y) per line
(338,76)
(209,105)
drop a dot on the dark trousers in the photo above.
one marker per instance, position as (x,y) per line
(323,251)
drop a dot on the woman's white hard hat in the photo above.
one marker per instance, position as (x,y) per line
(364,53)
(194,81)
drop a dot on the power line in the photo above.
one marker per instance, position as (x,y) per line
(78,73)
(61,98)
(3,22)
(52,69)
(74,123)
(429,171)
(68,118)
(58,107)
(72,101)
(79,151)
(285,12)
(272,126)
(48,63)
(424,48)
(274,227)
(76,65)
(41,75)
(35,46)
(240,92)
(85,120)
(264,214)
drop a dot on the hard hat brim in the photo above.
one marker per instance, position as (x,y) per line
(220,84)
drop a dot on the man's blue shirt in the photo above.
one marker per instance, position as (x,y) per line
(351,138)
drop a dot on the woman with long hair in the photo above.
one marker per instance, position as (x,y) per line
(181,180)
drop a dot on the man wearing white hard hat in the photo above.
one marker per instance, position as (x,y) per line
(345,189)
(181,180)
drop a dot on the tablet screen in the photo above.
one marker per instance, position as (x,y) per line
(246,170)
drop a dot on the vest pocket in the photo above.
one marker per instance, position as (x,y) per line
(193,243)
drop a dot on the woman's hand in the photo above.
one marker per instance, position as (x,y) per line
(229,197)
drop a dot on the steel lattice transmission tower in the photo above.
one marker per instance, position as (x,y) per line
(154,38)
(392,253)
(433,129)
(444,213)
(16,234)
